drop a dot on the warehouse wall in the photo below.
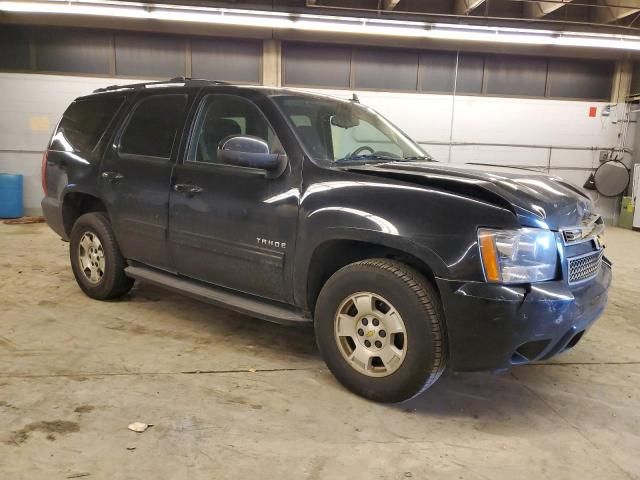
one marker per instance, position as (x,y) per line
(32,104)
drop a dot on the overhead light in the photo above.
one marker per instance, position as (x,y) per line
(77,9)
(323,23)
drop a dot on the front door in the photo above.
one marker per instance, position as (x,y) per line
(232,226)
(136,174)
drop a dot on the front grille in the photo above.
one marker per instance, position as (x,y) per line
(580,233)
(584,267)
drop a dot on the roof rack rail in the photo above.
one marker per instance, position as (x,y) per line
(187,81)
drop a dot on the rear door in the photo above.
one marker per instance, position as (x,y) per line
(233,226)
(136,172)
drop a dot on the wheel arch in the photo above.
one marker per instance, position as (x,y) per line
(331,255)
(76,203)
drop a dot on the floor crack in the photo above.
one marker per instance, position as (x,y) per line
(186,372)
(568,364)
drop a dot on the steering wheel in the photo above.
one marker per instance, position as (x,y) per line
(359,150)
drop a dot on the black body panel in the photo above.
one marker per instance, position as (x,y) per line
(135,190)
(239,230)
(487,324)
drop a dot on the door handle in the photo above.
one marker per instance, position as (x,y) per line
(112,176)
(187,188)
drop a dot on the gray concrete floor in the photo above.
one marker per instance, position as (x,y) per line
(75,372)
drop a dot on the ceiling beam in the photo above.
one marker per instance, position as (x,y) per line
(611,10)
(542,9)
(463,7)
(389,4)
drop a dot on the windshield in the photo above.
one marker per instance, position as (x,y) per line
(343,132)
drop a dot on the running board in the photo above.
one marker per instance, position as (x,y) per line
(241,303)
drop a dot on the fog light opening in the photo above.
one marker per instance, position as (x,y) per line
(574,341)
(529,351)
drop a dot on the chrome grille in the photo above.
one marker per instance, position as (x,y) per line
(584,267)
(581,233)
(571,236)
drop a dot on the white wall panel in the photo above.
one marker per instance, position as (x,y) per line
(511,156)
(30,107)
(496,120)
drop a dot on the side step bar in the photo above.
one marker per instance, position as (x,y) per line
(234,301)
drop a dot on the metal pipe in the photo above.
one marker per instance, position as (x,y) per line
(562,3)
(472,19)
(625,126)
(453,105)
(543,167)
(603,4)
(522,145)
(9,150)
(454,144)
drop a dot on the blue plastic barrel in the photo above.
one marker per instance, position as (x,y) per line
(10,196)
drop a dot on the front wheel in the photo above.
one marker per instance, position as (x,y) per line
(380,328)
(96,259)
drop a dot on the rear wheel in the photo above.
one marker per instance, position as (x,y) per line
(96,259)
(380,329)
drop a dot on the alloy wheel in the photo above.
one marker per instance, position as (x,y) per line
(370,334)
(91,257)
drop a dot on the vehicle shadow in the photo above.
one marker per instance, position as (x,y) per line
(472,396)
(211,325)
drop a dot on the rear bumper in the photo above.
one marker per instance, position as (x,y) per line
(493,327)
(52,211)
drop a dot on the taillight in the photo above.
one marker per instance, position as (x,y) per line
(43,172)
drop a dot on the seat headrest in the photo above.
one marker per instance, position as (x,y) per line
(219,128)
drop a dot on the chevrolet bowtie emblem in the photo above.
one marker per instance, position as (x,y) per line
(370,333)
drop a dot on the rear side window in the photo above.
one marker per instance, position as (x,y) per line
(153,126)
(84,122)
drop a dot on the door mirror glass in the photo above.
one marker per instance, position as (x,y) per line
(249,151)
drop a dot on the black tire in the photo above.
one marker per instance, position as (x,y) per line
(113,283)
(417,302)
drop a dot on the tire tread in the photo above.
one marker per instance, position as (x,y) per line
(424,292)
(118,283)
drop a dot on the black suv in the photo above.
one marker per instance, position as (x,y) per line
(299,208)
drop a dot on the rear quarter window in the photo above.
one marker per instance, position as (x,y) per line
(84,123)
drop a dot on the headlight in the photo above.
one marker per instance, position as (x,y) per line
(518,256)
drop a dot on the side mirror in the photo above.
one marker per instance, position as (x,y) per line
(249,151)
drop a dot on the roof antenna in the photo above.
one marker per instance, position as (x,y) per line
(355,98)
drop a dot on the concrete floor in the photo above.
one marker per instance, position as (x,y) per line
(75,372)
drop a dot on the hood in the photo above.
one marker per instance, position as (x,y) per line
(538,200)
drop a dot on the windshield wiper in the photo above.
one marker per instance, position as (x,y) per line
(423,157)
(367,158)
(380,159)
